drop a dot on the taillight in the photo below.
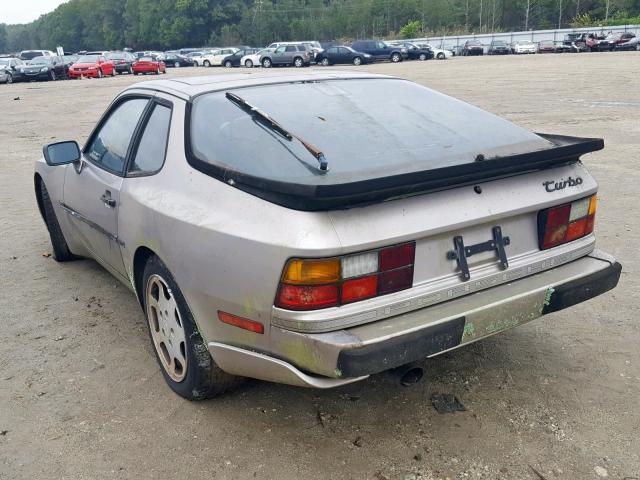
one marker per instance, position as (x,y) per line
(311,284)
(566,222)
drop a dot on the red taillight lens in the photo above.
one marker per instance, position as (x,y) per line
(311,284)
(396,257)
(359,289)
(297,297)
(567,222)
(395,280)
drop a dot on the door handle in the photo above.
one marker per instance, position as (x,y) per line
(107,200)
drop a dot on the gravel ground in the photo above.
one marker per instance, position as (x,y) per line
(81,395)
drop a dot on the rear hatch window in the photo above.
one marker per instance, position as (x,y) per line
(376,134)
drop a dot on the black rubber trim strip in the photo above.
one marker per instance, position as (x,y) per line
(577,291)
(566,150)
(401,350)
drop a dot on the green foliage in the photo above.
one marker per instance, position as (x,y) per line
(164,24)
(411,30)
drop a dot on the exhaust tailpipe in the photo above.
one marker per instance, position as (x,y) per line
(409,374)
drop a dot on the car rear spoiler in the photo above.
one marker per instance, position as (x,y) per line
(565,150)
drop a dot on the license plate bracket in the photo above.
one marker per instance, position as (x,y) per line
(461,251)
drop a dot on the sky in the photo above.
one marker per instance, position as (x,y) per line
(25,11)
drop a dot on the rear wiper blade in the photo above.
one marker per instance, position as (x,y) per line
(268,121)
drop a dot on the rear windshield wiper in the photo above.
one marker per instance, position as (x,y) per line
(276,127)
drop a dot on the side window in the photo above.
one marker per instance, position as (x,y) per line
(291,48)
(109,146)
(344,51)
(153,143)
(332,50)
(280,50)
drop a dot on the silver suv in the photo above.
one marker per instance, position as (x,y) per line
(284,55)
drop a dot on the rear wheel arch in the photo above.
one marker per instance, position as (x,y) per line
(140,259)
(37,181)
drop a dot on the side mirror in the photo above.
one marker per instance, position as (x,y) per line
(61,153)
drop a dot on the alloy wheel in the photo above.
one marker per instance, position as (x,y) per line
(357,61)
(167,331)
(325,62)
(248,64)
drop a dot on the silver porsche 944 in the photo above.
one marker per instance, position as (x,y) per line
(314,229)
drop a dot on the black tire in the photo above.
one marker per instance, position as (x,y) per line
(357,61)
(61,252)
(298,62)
(324,62)
(228,64)
(203,379)
(206,63)
(130,70)
(396,57)
(422,57)
(266,63)
(248,64)
(52,76)
(99,73)
(9,79)
(158,71)
(440,56)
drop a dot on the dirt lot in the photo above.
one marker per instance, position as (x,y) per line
(81,395)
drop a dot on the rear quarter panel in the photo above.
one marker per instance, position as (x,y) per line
(224,247)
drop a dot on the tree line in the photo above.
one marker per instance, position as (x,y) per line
(165,24)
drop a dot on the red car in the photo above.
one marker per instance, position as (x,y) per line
(95,66)
(149,65)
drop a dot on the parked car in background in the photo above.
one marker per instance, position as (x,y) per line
(546,46)
(296,55)
(472,47)
(150,64)
(175,60)
(342,55)
(29,54)
(70,60)
(123,61)
(355,245)
(416,52)
(92,66)
(498,47)
(560,47)
(313,46)
(235,60)
(630,45)
(523,47)
(253,59)
(438,53)
(44,68)
(215,58)
(613,39)
(381,51)
(10,70)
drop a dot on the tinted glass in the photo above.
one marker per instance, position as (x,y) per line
(109,147)
(291,48)
(153,143)
(366,128)
(332,50)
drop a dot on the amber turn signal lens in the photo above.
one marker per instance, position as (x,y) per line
(311,272)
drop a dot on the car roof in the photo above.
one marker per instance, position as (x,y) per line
(189,87)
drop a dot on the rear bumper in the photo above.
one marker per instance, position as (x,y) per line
(332,359)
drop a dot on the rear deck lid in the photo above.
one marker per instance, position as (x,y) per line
(382,137)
